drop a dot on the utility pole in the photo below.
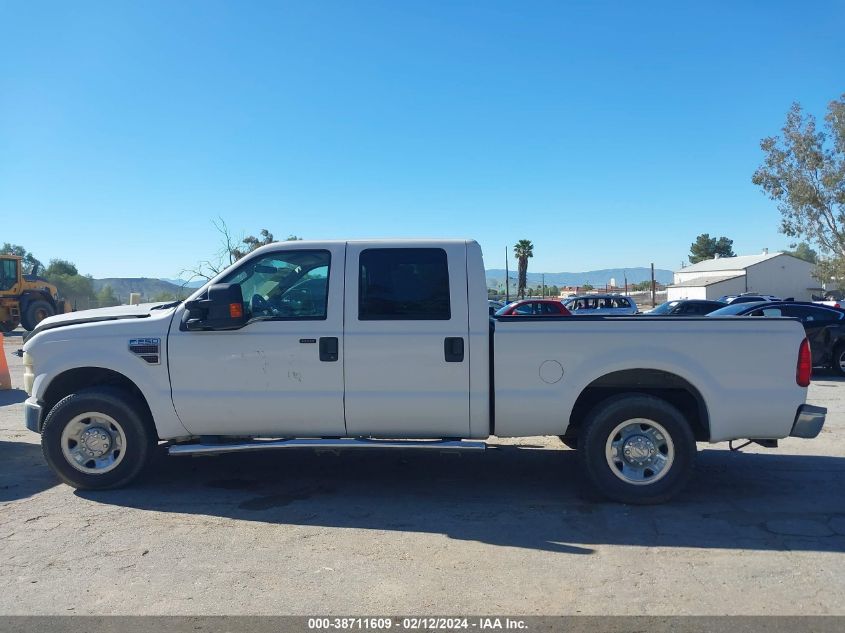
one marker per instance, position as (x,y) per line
(652,285)
(507,278)
(625,277)
(544,285)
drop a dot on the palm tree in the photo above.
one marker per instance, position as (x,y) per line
(522,250)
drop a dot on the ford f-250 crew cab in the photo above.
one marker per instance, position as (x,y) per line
(366,344)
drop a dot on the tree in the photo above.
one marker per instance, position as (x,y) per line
(803,251)
(77,289)
(587,287)
(61,267)
(804,172)
(230,251)
(29,260)
(706,247)
(522,250)
(642,286)
(250,243)
(106,297)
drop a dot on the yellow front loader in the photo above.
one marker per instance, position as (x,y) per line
(25,299)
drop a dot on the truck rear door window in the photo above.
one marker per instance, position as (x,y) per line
(403,284)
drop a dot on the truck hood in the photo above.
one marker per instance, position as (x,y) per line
(141,311)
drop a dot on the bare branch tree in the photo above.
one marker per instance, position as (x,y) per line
(225,256)
(231,250)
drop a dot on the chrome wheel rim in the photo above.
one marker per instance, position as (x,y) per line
(842,360)
(93,443)
(639,451)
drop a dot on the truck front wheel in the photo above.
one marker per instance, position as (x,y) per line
(96,439)
(637,449)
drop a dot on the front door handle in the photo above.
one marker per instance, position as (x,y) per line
(328,349)
(453,349)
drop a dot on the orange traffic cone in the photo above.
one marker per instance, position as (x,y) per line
(5,378)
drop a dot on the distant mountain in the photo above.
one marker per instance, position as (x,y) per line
(149,288)
(196,283)
(597,278)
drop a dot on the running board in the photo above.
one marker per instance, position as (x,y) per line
(261,445)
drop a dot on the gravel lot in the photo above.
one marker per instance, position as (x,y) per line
(399,532)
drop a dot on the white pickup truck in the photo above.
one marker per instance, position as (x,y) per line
(372,344)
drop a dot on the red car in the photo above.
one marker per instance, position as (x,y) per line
(534,307)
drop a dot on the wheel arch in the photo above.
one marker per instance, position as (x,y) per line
(78,378)
(28,296)
(672,388)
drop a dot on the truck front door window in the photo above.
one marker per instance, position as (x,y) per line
(285,285)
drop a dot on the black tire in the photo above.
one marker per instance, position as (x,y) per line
(35,312)
(7,326)
(835,363)
(569,442)
(122,408)
(593,445)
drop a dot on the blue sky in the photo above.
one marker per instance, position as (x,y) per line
(609,133)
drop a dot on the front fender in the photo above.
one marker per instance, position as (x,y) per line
(54,355)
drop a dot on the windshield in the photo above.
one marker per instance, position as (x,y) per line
(504,309)
(734,309)
(665,308)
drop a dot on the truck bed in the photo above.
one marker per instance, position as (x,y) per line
(742,384)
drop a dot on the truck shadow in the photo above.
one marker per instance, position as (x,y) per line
(12,396)
(514,497)
(827,375)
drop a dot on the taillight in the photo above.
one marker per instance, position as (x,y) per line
(836,305)
(805,365)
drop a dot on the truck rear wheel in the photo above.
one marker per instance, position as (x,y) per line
(96,439)
(35,313)
(637,449)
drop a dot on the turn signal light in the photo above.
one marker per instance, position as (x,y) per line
(805,365)
(236,310)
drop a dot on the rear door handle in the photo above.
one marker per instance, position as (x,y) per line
(453,349)
(328,349)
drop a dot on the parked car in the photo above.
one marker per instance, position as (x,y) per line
(494,306)
(831,299)
(824,326)
(393,349)
(686,307)
(747,297)
(600,305)
(536,307)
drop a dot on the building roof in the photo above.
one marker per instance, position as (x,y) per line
(728,263)
(705,281)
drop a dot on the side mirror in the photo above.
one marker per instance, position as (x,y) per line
(223,309)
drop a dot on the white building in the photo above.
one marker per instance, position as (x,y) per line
(768,273)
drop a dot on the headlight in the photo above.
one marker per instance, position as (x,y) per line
(28,373)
